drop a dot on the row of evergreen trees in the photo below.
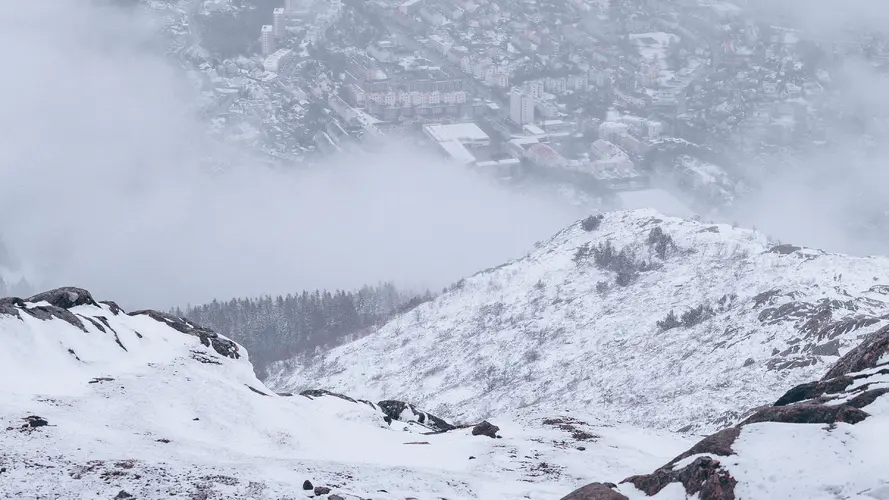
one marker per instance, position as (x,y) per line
(277,328)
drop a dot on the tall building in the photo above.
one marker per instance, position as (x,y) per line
(268,40)
(521,107)
(279,21)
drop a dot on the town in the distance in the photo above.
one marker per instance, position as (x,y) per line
(701,96)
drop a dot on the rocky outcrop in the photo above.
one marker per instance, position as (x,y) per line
(873,352)
(596,491)
(208,337)
(65,297)
(395,410)
(56,304)
(853,383)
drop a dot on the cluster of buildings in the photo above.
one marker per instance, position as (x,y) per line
(315,15)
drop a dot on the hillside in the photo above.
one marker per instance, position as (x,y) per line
(822,439)
(100,403)
(584,322)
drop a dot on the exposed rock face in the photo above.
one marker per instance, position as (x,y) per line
(807,413)
(869,354)
(596,491)
(208,337)
(394,410)
(854,382)
(57,304)
(65,297)
(391,409)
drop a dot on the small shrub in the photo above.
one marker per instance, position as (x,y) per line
(661,242)
(602,287)
(532,355)
(696,315)
(669,322)
(591,223)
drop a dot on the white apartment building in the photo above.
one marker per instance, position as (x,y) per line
(268,40)
(521,107)
(279,22)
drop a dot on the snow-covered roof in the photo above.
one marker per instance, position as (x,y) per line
(462,132)
(457,151)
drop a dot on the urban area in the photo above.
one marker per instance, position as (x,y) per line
(694,97)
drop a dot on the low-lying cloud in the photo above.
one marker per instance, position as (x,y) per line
(102,184)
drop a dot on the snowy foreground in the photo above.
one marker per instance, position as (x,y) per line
(134,405)
(569,327)
(98,403)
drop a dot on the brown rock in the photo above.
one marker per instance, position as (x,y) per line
(595,491)
(808,414)
(322,490)
(865,356)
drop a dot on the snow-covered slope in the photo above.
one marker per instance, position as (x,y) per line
(145,405)
(821,440)
(584,322)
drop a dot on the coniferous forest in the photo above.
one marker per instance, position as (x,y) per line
(277,328)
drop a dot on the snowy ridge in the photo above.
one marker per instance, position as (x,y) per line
(584,322)
(824,439)
(98,403)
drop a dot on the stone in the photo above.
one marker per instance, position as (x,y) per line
(485,428)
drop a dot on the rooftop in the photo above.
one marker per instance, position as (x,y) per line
(460,132)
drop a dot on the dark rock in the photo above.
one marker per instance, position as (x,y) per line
(46,313)
(485,428)
(472,458)
(866,398)
(785,249)
(317,393)
(704,476)
(719,444)
(65,297)
(112,306)
(207,336)
(595,491)
(307,485)
(162,440)
(393,410)
(335,497)
(257,391)
(122,495)
(813,390)
(808,414)
(321,490)
(35,421)
(581,448)
(195,419)
(831,348)
(749,362)
(866,355)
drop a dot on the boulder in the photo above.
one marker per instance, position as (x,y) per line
(307,485)
(65,297)
(595,491)
(485,428)
(321,490)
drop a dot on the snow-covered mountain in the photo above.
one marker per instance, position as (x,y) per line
(821,440)
(98,403)
(631,317)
